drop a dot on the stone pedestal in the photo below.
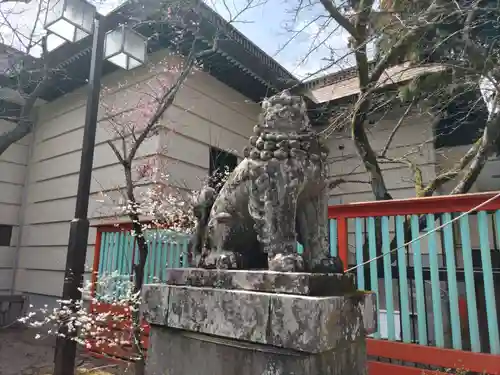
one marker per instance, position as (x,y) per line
(209,322)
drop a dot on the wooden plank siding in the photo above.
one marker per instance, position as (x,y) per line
(206,112)
(412,139)
(12,174)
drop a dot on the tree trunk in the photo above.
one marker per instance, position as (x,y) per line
(138,284)
(488,140)
(138,268)
(366,152)
(26,120)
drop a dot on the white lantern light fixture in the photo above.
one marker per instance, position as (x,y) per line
(71,20)
(125,47)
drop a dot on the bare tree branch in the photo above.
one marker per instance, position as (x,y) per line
(133,132)
(336,182)
(338,17)
(25,123)
(15,1)
(484,149)
(451,174)
(396,128)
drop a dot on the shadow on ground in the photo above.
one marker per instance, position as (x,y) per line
(22,354)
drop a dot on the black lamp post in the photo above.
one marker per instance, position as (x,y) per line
(73,20)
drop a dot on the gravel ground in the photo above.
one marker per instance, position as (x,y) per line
(22,354)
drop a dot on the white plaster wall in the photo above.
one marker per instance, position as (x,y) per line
(12,174)
(488,180)
(411,139)
(206,112)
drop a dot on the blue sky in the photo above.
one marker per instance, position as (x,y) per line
(270,26)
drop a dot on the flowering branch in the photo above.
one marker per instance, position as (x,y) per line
(83,321)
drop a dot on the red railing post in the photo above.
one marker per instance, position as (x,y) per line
(342,241)
(95,266)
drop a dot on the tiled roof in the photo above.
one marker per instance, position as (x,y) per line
(345,83)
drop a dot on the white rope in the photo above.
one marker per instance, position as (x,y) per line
(426,234)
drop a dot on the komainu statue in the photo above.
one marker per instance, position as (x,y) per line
(275,197)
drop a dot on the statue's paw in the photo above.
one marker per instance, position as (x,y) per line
(226,260)
(329,265)
(286,263)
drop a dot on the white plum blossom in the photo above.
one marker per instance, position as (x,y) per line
(81,323)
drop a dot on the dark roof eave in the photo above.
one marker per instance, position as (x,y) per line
(236,50)
(332,78)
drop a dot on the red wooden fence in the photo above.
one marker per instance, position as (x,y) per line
(389,357)
(119,331)
(386,357)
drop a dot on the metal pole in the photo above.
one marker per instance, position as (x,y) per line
(65,352)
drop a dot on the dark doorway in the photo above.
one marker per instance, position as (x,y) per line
(221,163)
(5,234)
